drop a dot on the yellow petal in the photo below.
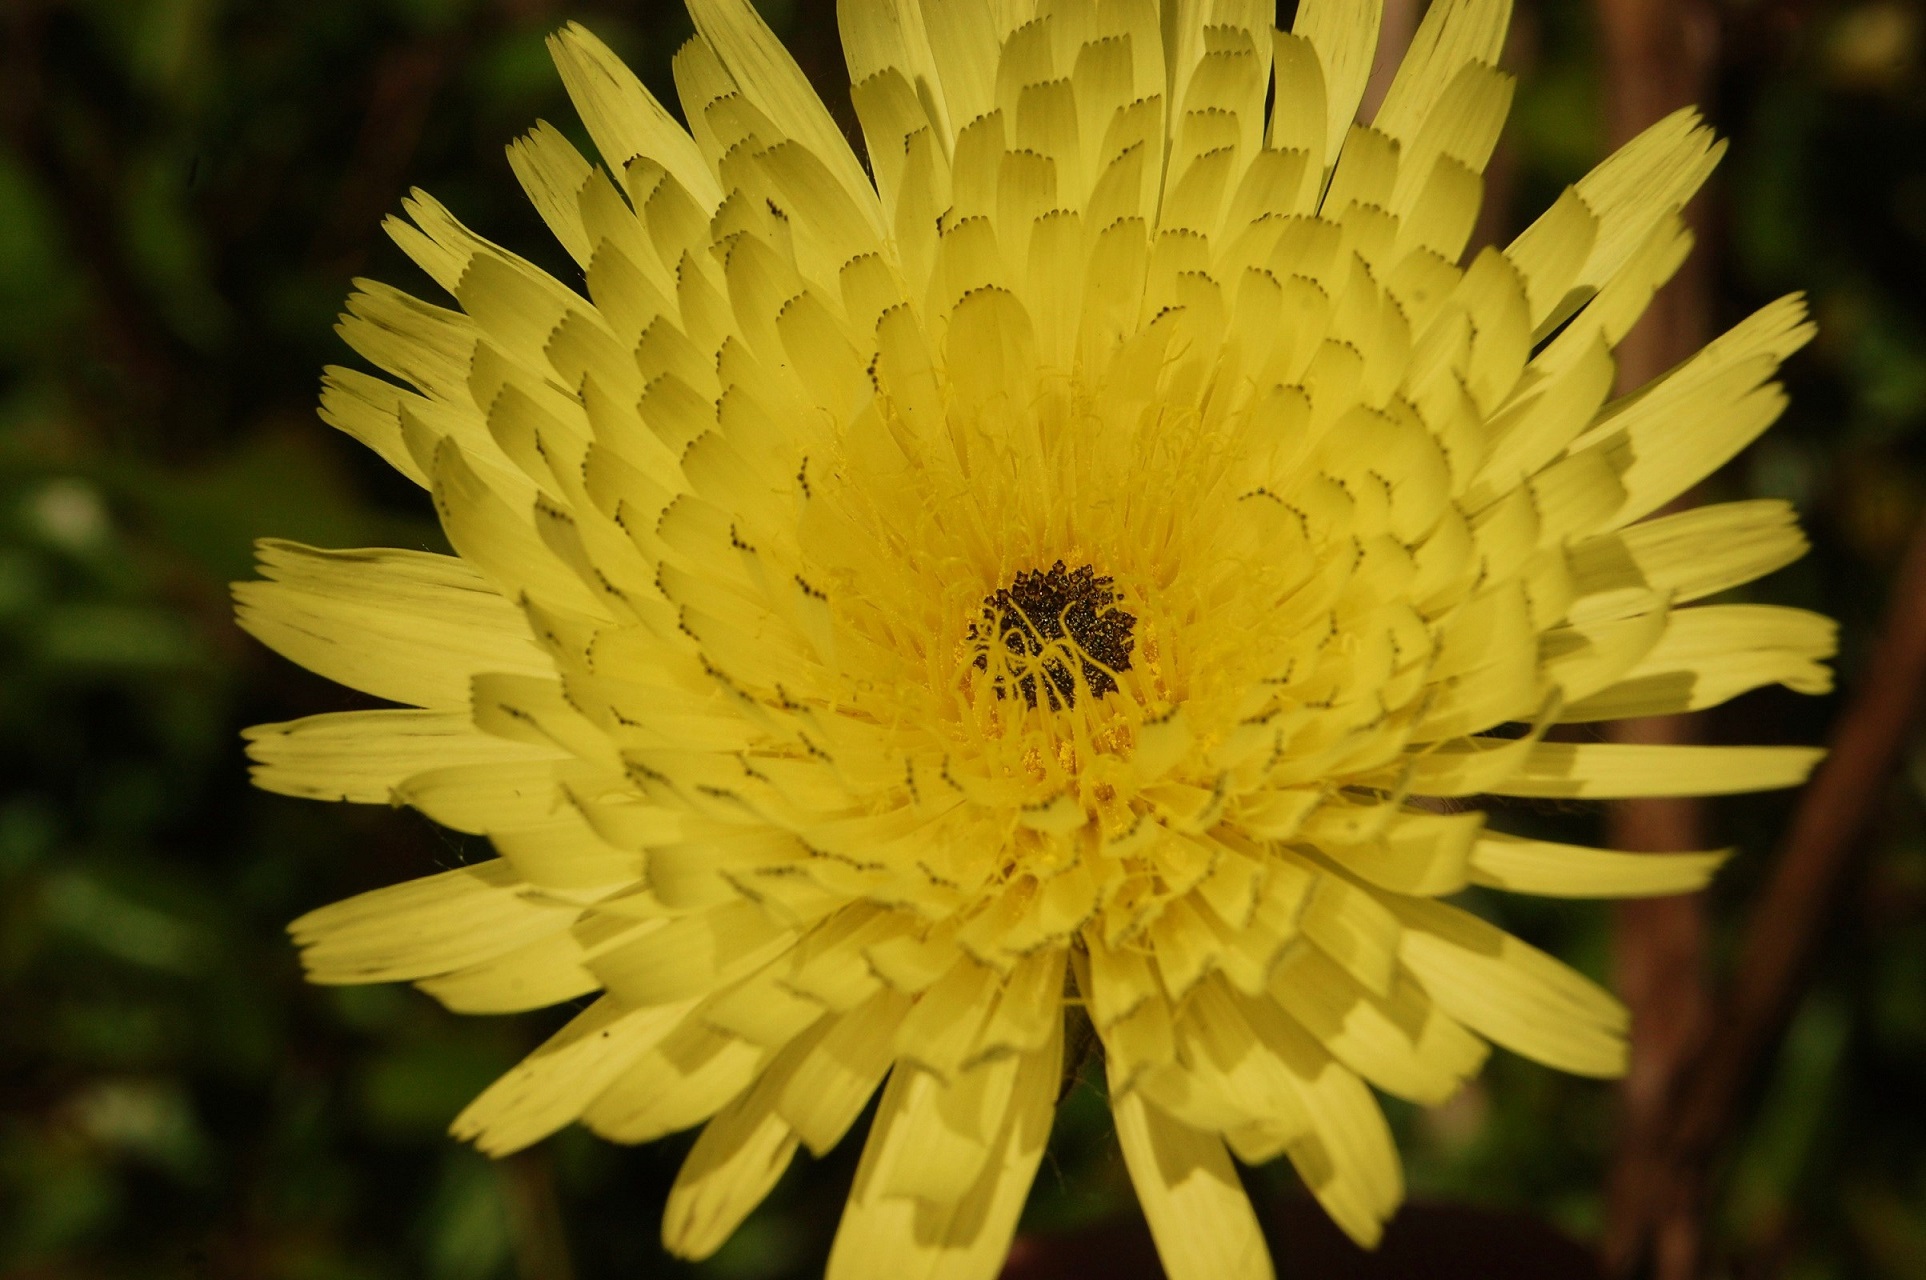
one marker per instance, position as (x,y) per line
(1510,992)
(622,116)
(1551,254)
(1682,557)
(369,409)
(1611,311)
(1348,1159)
(945,1130)
(941,1029)
(1643,182)
(403,625)
(1575,871)
(540,973)
(1454,33)
(498,796)
(554,174)
(1707,655)
(685,1078)
(1029,1009)
(1300,104)
(770,78)
(427,927)
(1404,1044)
(1584,658)
(1345,35)
(693,955)
(500,541)
(1606,770)
(1722,391)
(964,38)
(890,36)
(1424,854)
(764,1011)
(362,756)
(1198,1212)
(832,1083)
(738,1158)
(1352,926)
(963,1240)
(1532,431)
(567,854)
(551,1086)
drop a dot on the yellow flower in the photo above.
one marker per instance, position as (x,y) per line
(1054,572)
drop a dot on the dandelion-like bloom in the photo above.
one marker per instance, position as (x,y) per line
(1053,573)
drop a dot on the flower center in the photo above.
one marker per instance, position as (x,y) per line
(1051,631)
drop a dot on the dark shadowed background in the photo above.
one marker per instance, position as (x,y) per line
(186,189)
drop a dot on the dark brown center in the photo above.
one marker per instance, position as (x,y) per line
(1053,626)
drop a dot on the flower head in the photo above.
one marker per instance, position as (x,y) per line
(1054,571)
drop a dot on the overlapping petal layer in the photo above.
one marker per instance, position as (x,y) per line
(1059,564)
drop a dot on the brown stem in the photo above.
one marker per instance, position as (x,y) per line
(1659,56)
(1814,863)
(1498,212)
(139,345)
(403,91)
(1394,37)
(1659,965)
(535,1216)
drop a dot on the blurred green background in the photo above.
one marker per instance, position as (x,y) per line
(186,188)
